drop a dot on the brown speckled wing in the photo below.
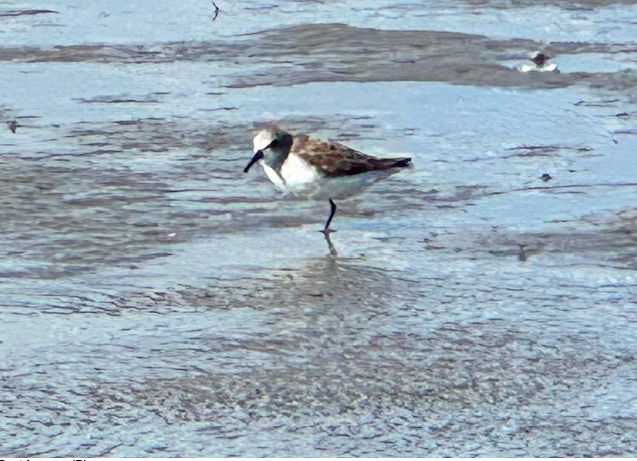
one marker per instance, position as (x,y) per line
(334,159)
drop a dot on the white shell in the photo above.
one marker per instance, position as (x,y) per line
(534,68)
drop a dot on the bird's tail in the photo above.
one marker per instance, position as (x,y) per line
(401,162)
(389,163)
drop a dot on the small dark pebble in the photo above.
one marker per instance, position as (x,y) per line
(546,177)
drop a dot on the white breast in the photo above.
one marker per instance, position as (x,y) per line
(299,176)
(273,176)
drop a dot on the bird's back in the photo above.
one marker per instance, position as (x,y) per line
(332,158)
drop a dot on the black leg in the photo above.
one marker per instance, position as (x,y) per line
(326,229)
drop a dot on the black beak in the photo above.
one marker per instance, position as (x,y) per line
(258,156)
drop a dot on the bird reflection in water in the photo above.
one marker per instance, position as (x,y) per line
(330,246)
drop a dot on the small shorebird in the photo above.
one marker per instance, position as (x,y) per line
(540,63)
(317,169)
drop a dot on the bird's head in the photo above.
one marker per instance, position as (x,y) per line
(271,145)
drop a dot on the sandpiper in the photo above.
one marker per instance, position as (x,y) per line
(315,169)
(540,63)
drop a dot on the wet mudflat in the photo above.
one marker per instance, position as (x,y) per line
(156,301)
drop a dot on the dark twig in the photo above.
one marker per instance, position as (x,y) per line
(217,10)
(26,12)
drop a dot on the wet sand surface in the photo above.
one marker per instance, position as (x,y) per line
(156,301)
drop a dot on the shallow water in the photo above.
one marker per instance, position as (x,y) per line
(157,301)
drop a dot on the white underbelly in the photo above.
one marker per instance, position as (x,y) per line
(300,179)
(344,186)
